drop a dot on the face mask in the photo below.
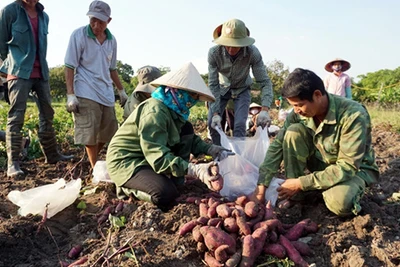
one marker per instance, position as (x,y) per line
(337,67)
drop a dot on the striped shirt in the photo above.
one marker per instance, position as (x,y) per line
(225,73)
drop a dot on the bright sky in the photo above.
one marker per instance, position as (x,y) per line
(305,34)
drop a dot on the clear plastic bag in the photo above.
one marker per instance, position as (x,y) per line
(271,193)
(252,149)
(58,195)
(100,173)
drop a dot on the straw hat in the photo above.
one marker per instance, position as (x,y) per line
(254,108)
(186,78)
(146,75)
(233,33)
(345,65)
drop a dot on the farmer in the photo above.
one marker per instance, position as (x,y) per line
(229,64)
(149,155)
(254,110)
(91,62)
(328,135)
(23,47)
(337,82)
(143,90)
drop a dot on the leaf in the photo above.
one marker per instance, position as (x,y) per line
(81,205)
(116,222)
(89,191)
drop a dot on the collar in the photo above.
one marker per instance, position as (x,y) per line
(39,6)
(330,117)
(90,33)
(242,53)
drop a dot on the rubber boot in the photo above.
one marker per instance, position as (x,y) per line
(13,143)
(48,143)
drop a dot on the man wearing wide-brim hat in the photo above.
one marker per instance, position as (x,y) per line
(337,82)
(229,64)
(143,90)
(149,154)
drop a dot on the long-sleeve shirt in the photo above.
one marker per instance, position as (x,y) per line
(338,84)
(342,141)
(146,139)
(225,73)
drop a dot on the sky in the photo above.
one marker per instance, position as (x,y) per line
(305,34)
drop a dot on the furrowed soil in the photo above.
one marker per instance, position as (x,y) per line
(370,239)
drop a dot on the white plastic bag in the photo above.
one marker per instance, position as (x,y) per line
(100,173)
(252,149)
(282,114)
(58,195)
(271,193)
(240,176)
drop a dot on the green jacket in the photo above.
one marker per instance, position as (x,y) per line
(146,139)
(342,141)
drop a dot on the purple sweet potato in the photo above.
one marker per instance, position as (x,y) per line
(187,227)
(298,230)
(75,252)
(272,237)
(258,218)
(215,237)
(230,225)
(244,228)
(197,236)
(247,252)
(302,247)
(275,250)
(214,222)
(269,211)
(221,254)
(292,252)
(271,225)
(224,211)
(259,236)
(311,227)
(251,209)
(211,261)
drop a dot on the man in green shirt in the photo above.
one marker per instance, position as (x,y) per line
(328,135)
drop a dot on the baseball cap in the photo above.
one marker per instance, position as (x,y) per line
(100,10)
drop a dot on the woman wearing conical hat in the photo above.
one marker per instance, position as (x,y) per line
(149,155)
(337,82)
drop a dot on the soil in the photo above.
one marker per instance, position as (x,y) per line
(370,239)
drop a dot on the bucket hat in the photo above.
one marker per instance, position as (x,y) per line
(146,75)
(233,33)
(345,65)
(100,10)
(186,78)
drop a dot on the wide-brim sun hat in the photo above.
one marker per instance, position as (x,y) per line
(233,33)
(146,75)
(186,78)
(345,64)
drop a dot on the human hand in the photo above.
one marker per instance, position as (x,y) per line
(289,188)
(122,97)
(219,153)
(258,194)
(216,121)
(263,119)
(72,103)
(208,173)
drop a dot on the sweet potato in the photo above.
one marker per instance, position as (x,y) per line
(234,260)
(272,237)
(75,251)
(311,227)
(292,252)
(244,228)
(258,218)
(247,252)
(271,225)
(203,208)
(201,247)
(203,220)
(251,209)
(119,207)
(212,210)
(220,253)
(215,237)
(214,222)
(298,230)
(217,184)
(302,247)
(259,236)
(275,250)
(194,200)
(224,211)
(269,211)
(241,201)
(211,261)
(197,236)
(187,227)
(230,225)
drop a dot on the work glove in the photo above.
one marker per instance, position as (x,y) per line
(72,103)
(122,97)
(219,153)
(208,173)
(263,119)
(216,121)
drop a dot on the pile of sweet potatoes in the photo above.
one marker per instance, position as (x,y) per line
(236,233)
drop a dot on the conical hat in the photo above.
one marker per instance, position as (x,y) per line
(186,78)
(345,64)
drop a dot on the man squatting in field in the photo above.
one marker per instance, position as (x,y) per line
(331,137)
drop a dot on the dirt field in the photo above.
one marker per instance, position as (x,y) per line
(369,239)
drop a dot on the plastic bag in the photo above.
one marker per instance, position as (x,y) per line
(240,176)
(282,114)
(271,193)
(58,195)
(252,149)
(100,173)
